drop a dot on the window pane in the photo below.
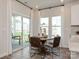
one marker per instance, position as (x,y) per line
(16,32)
(56,31)
(12,25)
(44,22)
(56,21)
(18,25)
(46,28)
(44,25)
(26,24)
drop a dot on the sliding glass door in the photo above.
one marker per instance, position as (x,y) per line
(16,32)
(20,31)
(26,22)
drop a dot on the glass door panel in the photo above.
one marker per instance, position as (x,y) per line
(26,22)
(16,32)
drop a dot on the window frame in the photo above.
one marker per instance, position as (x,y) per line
(55,26)
(47,26)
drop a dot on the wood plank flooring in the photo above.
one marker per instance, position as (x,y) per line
(24,54)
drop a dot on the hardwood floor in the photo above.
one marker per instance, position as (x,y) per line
(24,54)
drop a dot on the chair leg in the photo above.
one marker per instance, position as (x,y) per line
(43,57)
(33,54)
(54,53)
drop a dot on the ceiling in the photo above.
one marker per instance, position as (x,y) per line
(40,4)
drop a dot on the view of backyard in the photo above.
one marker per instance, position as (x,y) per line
(20,31)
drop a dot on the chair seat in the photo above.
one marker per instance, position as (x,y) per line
(34,48)
(49,46)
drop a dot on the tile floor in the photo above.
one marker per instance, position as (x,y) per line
(24,54)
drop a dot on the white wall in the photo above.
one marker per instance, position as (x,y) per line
(5,16)
(68,30)
(75,14)
(67,25)
(50,12)
(74,28)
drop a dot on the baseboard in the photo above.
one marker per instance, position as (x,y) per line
(15,50)
(5,54)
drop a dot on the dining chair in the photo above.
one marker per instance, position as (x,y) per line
(35,45)
(55,44)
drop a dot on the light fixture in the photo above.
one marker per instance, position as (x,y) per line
(62,1)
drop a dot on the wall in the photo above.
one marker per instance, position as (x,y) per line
(50,12)
(75,14)
(74,28)
(18,8)
(5,16)
(67,25)
(68,29)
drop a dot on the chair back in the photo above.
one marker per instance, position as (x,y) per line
(34,42)
(56,42)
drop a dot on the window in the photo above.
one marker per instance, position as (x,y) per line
(44,25)
(56,25)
